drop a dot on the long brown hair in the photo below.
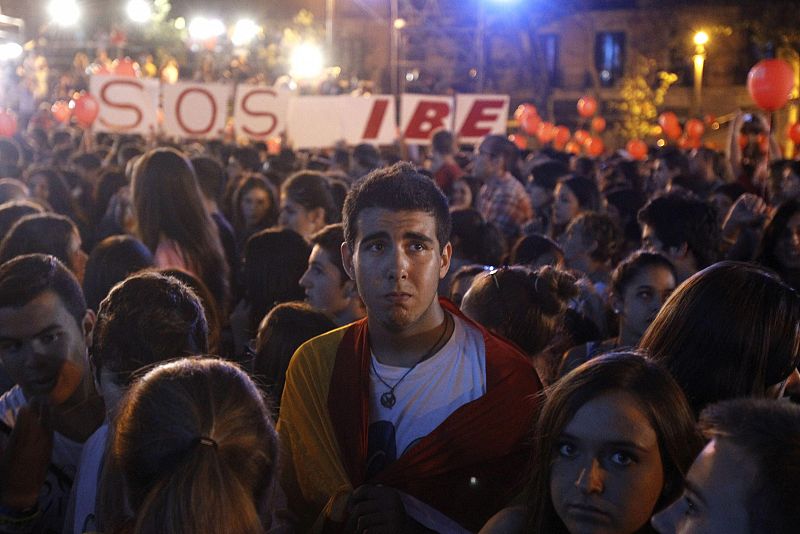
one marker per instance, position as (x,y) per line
(167,203)
(197,448)
(661,401)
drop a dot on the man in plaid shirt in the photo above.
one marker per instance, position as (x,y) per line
(502,199)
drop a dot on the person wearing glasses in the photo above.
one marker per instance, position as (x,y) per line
(415,417)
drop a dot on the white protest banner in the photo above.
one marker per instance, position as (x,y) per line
(259,111)
(197,110)
(480,115)
(314,121)
(368,119)
(422,114)
(127,104)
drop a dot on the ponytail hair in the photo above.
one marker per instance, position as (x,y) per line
(197,449)
(524,305)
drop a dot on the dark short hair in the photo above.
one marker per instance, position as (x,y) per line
(585,191)
(547,173)
(397,188)
(531,247)
(311,190)
(147,319)
(677,219)
(442,141)
(24,278)
(769,432)
(39,233)
(330,240)
(499,145)
(14,210)
(110,262)
(210,176)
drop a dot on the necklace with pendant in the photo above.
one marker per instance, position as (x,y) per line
(388,398)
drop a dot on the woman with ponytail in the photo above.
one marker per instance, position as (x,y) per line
(197,450)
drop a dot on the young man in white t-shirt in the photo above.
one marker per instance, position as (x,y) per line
(413,419)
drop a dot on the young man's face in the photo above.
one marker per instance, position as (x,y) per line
(43,348)
(322,281)
(397,263)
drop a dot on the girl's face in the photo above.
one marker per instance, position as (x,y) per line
(787,249)
(461,195)
(566,206)
(607,475)
(295,217)
(255,205)
(642,299)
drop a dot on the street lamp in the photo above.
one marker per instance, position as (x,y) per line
(64,12)
(306,62)
(244,32)
(139,11)
(700,40)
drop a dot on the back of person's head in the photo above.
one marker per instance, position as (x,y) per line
(13,189)
(635,264)
(14,210)
(675,160)
(210,176)
(24,278)
(728,331)
(45,233)
(585,191)
(521,304)
(475,239)
(287,326)
(146,319)
(86,162)
(247,157)
(110,262)
(330,239)
(547,173)
(198,450)
(212,313)
(585,166)
(536,250)
(678,219)
(311,190)
(111,181)
(769,434)
(127,152)
(9,156)
(366,156)
(442,141)
(658,397)
(396,188)
(274,261)
(600,229)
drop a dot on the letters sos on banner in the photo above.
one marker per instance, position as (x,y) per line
(200,110)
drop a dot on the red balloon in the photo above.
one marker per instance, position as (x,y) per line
(794,133)
(672,131)
(530,123)
(694,128)
(545,132)
(562,135)
(587,106)
(60,110)
(668,120)
(85,108)
(125,67)
(637,149)
(598,124)
(594,146)
(573,147)
(8,124)
(581,136)
(520,140)
(770,83)
(709,119)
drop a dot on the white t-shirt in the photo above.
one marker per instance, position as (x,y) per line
(54,496)
(432,391)
(84,494)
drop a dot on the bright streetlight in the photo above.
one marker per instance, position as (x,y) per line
(139,11)
(202,28)
(64,12)
(700,38)
(306,61)
(244,31)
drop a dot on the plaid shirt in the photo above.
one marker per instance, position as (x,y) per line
(504,202)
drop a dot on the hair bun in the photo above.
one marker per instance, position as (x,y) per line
(554,288)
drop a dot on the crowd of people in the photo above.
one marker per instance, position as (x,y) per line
(205,337)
